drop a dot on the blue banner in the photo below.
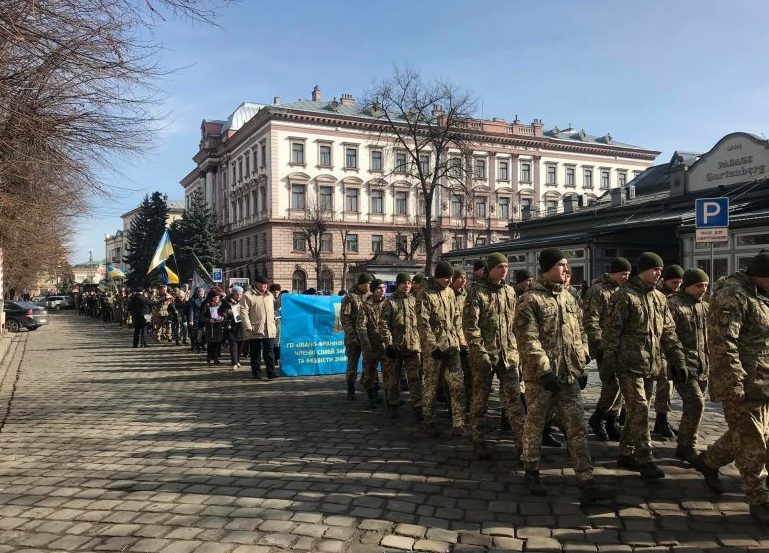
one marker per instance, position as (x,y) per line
(311,335)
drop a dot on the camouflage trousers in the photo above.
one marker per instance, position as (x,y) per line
(452,373)
(467,379)
(352,351)
(509,396)
(369,376)
(693,397)
(610,400)
(162,327)
(636,441)
(392,369)
(568,405)
(744,443)
(662,397)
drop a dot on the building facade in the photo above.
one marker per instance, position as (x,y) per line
(264,167)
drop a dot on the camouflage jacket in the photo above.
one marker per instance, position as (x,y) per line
(639,329)
(461,296)
(739,353)
(487,321)
(439,320)
(349,314)
(548,330)
(367,325)
(398,322)
(690,316)
(595,309)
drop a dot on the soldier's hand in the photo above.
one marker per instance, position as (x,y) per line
(549,381)
(463,351)
(437,354)
(391,352)
(679,375)
(582,380)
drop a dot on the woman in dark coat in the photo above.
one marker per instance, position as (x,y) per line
(214,323)
(193,309)
(233,328)
(138,306)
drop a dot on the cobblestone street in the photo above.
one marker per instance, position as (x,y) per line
(110,448)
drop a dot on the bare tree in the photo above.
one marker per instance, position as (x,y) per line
(312,226)
(409,239)
(430,123)
(343,232)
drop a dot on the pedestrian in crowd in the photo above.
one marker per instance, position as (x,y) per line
(739,379)
(523,281)
(553,351)
(141,313)
(277,294)
(440,327)
(638,332)
(232,325)
(348,315)
(213,323)
(258,315)
(400,336)
(480,270)
(595,313)
(371,344)
(176,314)
(458,285)
(160,325)
(689,311)
(487,321)
(669,284)
(192,311)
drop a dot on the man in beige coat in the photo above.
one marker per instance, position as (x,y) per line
(258,316)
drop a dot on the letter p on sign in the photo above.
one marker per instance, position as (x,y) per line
(712,212)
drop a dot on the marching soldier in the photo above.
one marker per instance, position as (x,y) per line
(595,312)
(440,327)
(398,328)
(553,351)
(523,281)
(739,378)
(348,316)
(638,331)
(458,282)
(487,320)
(367,325)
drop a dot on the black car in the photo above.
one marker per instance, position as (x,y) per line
(24,314)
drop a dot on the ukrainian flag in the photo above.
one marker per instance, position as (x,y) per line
(114,272)
(163,251)
(169,276)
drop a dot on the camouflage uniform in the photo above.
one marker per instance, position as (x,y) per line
(595,311)
(638,330)
(664,387)
(739,362)
(162,325)
(690,317)
(440,327)
(548,330)
(367,325)
(348,316)
(461,297)
(487,321)
(398,328)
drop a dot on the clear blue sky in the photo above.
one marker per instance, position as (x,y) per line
(660,74)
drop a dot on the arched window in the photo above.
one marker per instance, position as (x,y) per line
(298,281)
(326,281)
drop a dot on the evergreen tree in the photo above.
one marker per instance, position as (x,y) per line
(195,232)
(143,238)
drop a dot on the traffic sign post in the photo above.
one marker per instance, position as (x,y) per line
(711,216)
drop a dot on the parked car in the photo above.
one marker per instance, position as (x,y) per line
(57,303)
(24,314)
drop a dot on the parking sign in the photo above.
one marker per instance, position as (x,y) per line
(711,212)
(216,275)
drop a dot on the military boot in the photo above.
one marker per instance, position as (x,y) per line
(622,417)
(590,492)
(597,422)
(504,422)
(392,411)
(760,513)
(482,450)
(627,462)
(662,427)
(650,471)
(612,429)
(432,430)
(533,482)
(549,439)
(351,391)
(371,398)
(418,413)
(377,396)
(710,474)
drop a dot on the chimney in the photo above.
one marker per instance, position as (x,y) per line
(617,198)
(276,101)
(347,100)
(537,125)
(316,94)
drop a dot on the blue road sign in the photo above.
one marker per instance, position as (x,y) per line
(216,275)
(711,212)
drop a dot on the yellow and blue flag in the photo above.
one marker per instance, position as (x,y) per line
(114,272)
(169,276)
(163,251)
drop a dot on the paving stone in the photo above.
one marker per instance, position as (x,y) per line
(432,546)
(440,534)
(411,530)
(330,546)
(538,543)
(397,542)
(508,544)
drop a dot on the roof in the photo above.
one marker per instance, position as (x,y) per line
(241,115)
(539,242)
(572,135)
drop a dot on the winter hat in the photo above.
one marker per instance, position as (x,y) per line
(402,277)
(522,274)
(649,260)
(237,289)
(495,259)
(261,279)
(620,265)
(364,278)
(443,270)
(458,273)
(376,283)
(759,266)
(479,265)
(673,271)
(419,278)
(549,257)
(694,276)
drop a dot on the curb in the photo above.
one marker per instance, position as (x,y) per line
(11,353)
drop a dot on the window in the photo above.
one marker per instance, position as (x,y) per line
(257,244)
(551,174)
(751,240)
(400,162)
(525,172)
(326,198)
(326,242)
(248,164)
(571,176)
(420,204)
(297,153)
(480,241)
(504,170)
(424,163)
(457,205)
(263,199)
(234,249)
(248,246)
(504,208)
(377,201)
(324,155)
(299,243)
(480,168)
(263,148)
(376,160)
(605,182)
(234,174)
(621,178)
(552,206)
(351,200)
(377,242)
(298,282)
(240,169)
(455,167)
(401,201)
(326,281)
(352,243)
(457,243)
(480,206)
(351,158)
(256,162)
(401,243)
(587,178)
(526,204)
(297,196)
